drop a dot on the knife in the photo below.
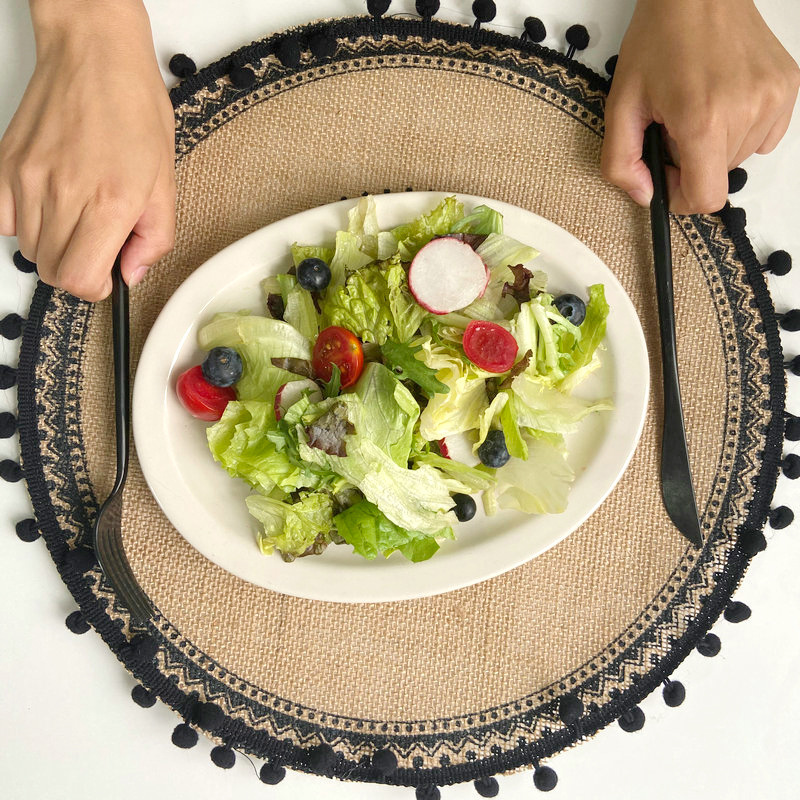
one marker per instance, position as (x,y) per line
(677,489)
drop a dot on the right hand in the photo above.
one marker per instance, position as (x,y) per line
(88,159)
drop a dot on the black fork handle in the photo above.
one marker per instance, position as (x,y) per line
(120,318)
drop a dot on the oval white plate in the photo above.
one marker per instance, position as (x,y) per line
(207,506)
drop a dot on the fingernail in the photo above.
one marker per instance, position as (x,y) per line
(641,196)
(137,275)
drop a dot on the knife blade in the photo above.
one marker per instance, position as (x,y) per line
(677,489)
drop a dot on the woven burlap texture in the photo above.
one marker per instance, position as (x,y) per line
(485,645)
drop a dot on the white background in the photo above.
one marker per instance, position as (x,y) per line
(69,727)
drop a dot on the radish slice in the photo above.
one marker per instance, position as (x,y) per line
(292,391)
(446,275)
(444,451)
(459,448)
(489,346)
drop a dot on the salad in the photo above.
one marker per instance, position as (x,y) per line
(394,377)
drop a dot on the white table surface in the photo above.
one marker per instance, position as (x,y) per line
(70,729)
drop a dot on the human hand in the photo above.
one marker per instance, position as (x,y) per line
(88,158)
(713,74)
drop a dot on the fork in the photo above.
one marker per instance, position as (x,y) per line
(108,525)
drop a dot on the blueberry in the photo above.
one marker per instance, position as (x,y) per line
(222,366)
(464,507)
(571,307)
(313,274)
(493,452)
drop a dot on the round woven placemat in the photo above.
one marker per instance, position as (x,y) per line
(491,677)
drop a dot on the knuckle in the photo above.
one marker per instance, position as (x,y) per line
(112,201)
(80,286)
(31,175)
(705,201)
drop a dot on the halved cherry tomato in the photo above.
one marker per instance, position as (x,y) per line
(489,346)
(200,398)
(338,346)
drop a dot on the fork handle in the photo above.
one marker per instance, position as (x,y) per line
(120,319)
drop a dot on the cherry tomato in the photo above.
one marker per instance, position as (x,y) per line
(200,398)
(489,346)
(338,346)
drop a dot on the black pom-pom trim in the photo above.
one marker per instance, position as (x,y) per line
(208,716)
(11,471)
(321,759)
(79,560)
(545,779)
(737,178)
(8,425)
(184,736)
(242,77)
(674,693)
(534,29)
(779,263)
(377,8)
(271,774)
(77,623)
(752,542)
(27,530)
(577,37)
(181,66)
(780,517)
(487,787)
(736,611)
(791,464)
(709,645)
(143,648)
(142,697)
(385,761)
(736,219)
(428,793)
(322,45)
(223,756)
(790,320)
(792,430)
(793,365)
(8,376)
(484,11)
(611,65)
(632,720)
(570,709)
(427,8)
(11,326)
(287,51)
(22,263)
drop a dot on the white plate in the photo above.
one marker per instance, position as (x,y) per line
(207,506)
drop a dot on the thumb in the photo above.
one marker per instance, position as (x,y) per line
(153,235)
(621,162)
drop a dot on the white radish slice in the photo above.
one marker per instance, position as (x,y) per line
(292,391)
(458,448)
(447,275)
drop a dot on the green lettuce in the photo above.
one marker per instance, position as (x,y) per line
(361,305)
(248,443)
(291,528)
(407,313)
(540,406)
(300,252)
(467,479)
(257,340)
(412,236)
(539,485)
(517,447)
(482,221)
(299,312)
(402,358)
(347,257)
(367,529)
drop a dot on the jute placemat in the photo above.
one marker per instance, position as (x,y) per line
(495,676)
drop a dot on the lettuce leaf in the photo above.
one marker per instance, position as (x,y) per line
(361,305)
(258,340)
(539,485)
(302,251)
(403,360)
(482,221)
(299,312)
(407,313)
(241,442)
(412,236)
(291,528)
(347,257)
(370,533)
(471,479)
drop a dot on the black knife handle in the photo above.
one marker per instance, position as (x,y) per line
(676,481)
(120,320)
